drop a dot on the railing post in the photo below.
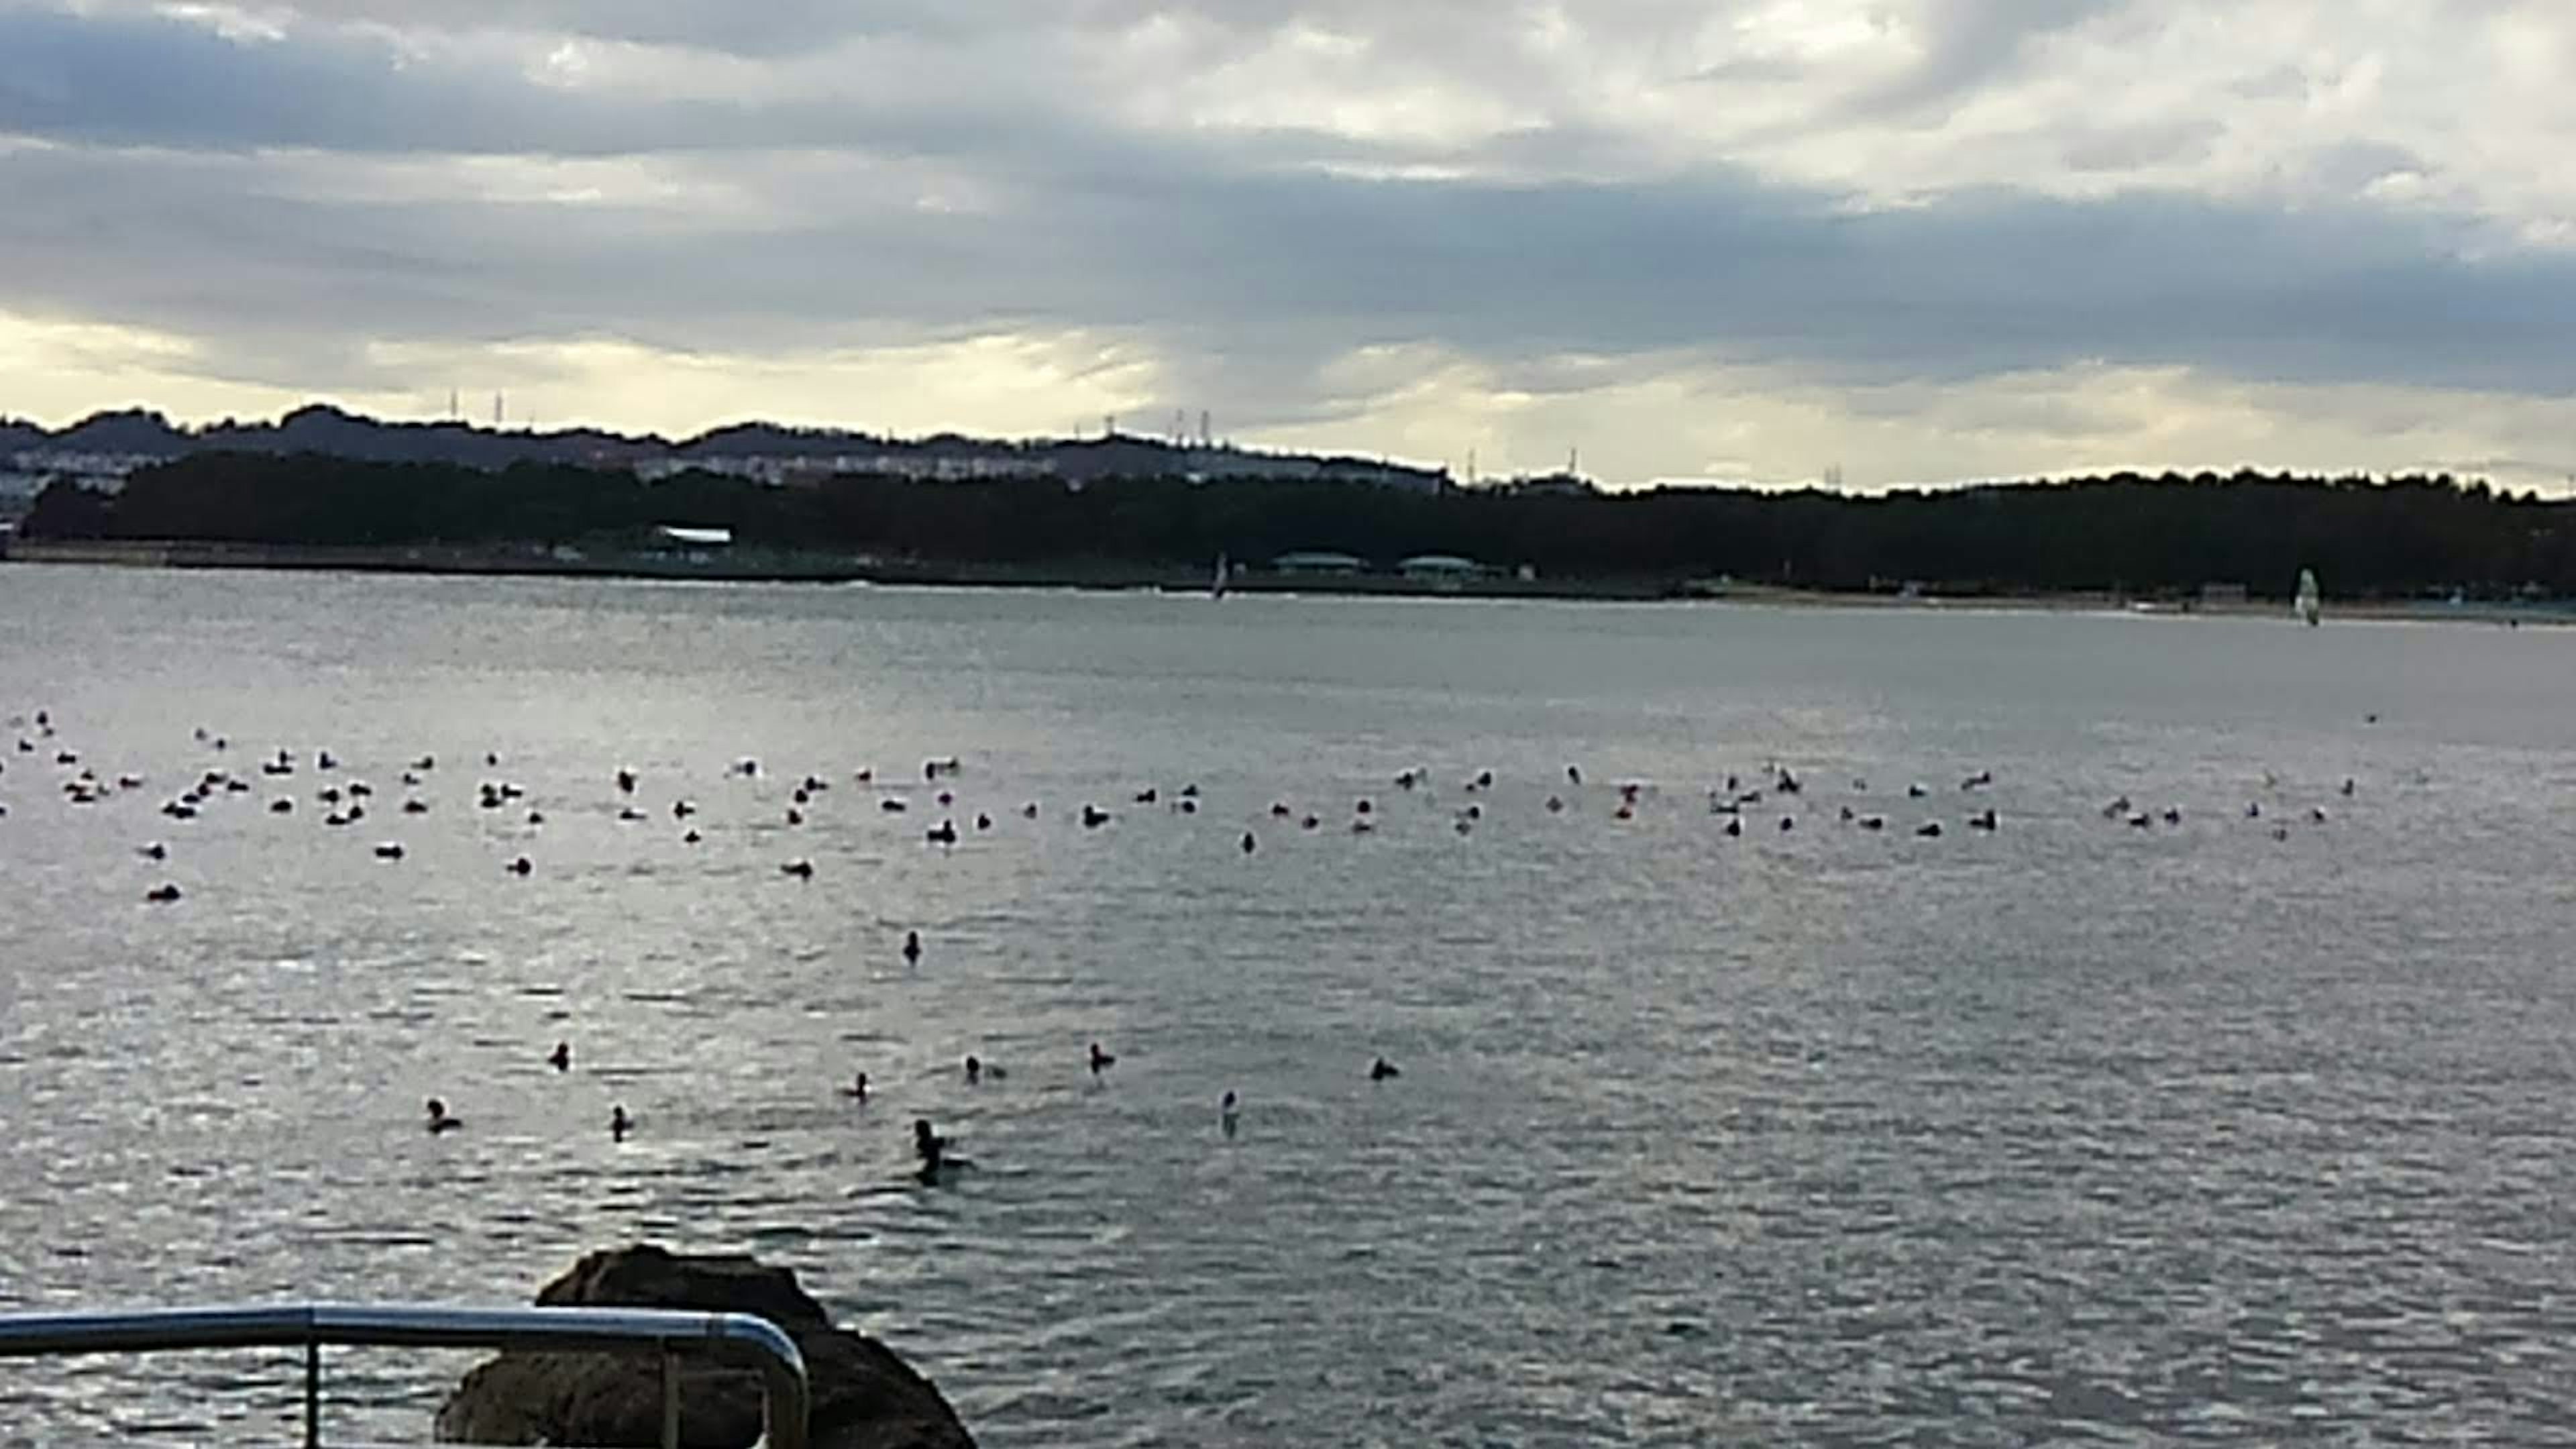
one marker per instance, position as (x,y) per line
(670,1397)
(313,1392)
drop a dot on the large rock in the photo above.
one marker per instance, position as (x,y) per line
(864,1396)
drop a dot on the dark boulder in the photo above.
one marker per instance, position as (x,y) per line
(864,1396)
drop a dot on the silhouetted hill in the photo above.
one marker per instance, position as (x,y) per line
(330,431)
(130,431)
(771,440)
(340,434)
(1114,457)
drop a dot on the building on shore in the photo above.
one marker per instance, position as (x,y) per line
(1076,461)
(1560,484)
(1441,568)
(808,470)
(1319,563)
(690,544)
(31,470)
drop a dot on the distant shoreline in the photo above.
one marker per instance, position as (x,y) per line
(756,567)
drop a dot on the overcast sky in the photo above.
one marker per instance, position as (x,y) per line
(1918,240)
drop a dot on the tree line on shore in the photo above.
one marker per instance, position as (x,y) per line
(2395,538)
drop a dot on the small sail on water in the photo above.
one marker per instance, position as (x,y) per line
(1216,590)
(2308,597)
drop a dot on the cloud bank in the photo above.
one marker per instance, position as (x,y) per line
(1919,240)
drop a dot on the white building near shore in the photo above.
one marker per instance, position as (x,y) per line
(105,471)
(793,469)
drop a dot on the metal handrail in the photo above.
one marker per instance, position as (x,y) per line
(786,1403)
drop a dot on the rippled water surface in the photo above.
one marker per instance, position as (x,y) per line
(2071,1132)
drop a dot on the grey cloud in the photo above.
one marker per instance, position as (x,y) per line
(2134,147)
(154,81)
(785,29)
(2280,82)
(150,81)
(1264,276)
(1967,286)
(2347,168)
(1749,70)
(195,192)
(769,29)
(2511,471)
(1970,42)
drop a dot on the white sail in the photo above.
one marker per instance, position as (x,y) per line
(2309,598)
(1217,589)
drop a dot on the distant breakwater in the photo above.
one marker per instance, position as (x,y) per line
(774,566)
(761,566)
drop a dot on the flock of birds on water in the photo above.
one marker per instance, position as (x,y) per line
(346,799)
